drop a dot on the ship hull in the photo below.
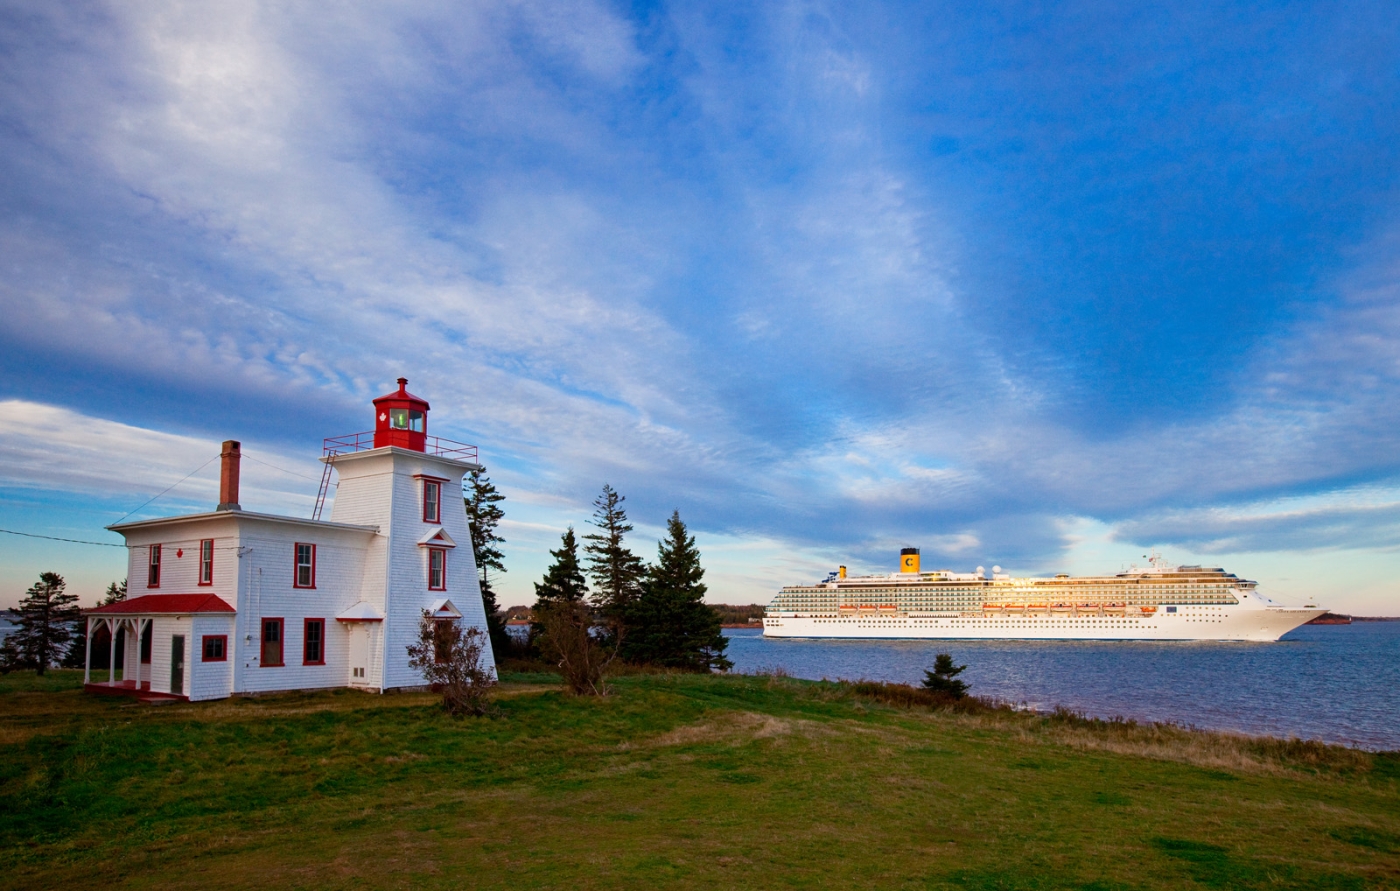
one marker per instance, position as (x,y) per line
(1223,623)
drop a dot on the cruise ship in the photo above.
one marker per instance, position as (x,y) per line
(1156,602)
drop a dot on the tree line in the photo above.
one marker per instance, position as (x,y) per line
(642,613)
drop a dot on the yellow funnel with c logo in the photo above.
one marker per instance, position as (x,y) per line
(909,560)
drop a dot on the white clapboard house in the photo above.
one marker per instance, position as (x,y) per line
(237,602)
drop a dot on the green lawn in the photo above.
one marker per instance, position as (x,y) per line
(680,781)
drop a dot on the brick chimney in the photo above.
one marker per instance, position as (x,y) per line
(228,475)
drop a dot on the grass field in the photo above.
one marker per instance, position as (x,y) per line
(677,781)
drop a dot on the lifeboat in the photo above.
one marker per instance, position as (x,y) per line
(1148,610)
(1060,607)
(1040,606)
(990,606)
(887,607)
(1115,608)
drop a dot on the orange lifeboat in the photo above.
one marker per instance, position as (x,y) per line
(1148,610)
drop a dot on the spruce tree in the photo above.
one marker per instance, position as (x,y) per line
(616,571)
(44,625)
(563,581)
(943,678)
(483,516)
(670,624)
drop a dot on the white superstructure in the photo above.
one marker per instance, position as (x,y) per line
(1158,602)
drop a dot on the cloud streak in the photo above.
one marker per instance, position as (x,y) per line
(828,281)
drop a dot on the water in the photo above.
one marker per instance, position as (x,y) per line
(1337,683)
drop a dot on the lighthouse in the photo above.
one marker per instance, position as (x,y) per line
(242,602)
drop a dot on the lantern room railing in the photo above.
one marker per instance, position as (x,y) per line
(335,446)
(432,445)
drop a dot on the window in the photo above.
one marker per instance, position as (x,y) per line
(432,498)
(215,647)
(206,562)
(437,569)
(153,571)
(306,566)
(271,643)
(444,635)
(146,644)
(313,649)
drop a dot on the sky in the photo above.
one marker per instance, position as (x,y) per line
(1036,285)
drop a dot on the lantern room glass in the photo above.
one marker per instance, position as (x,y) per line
(406,419)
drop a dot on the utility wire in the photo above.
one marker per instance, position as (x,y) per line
(167,489)
(105,544)
(314,479)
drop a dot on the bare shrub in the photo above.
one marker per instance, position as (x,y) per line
(907,696)
(568,639)
(451,657)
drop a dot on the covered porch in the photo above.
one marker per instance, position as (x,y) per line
(156,637)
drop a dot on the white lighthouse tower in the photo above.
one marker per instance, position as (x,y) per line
(409,485)
(238,601)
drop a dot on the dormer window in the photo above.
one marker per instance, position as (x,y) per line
(432,501)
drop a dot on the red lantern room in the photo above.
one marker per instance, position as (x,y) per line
(401,419)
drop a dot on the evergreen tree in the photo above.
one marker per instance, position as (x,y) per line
(669,624)
(483,516)
(114,594)
(44,625)
(77,650)
(616,571)
(943,678)
(563,582)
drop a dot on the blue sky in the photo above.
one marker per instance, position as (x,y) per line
(1028,284)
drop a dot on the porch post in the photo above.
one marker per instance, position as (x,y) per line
(140,646)
(126,654)
(87,654)
(111,652)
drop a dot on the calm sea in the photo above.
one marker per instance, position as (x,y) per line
(1338,683)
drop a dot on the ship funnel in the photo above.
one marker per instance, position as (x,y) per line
(909,560)
(841,572)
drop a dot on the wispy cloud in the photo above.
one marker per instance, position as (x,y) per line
(832,282)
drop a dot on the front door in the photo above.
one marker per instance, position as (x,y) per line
(177,664)
(359,654)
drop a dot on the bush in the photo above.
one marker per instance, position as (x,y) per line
(451,657)
(908,696)
(568,640)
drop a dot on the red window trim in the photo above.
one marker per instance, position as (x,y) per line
(427,481)
(443,552)
(305,623)
(296,565)
(204,648)
(428,476)
(201,561)
(262,644)
(153,551)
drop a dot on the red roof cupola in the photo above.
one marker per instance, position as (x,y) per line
(401,419)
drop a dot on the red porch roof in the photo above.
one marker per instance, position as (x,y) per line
(176,604)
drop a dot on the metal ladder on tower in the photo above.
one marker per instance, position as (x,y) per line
(331,455)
